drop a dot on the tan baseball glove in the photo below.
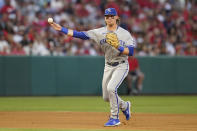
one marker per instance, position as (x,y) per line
(112,39)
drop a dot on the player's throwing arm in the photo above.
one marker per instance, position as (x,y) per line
(111,38)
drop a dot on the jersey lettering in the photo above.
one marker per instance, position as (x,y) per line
(102,41)
(122,43)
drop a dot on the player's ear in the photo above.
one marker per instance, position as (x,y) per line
(105,21)
(105,18)
(117,20)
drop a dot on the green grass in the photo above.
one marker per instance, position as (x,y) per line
(141,104)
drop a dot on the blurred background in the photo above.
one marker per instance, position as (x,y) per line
(165,31)
(161,27)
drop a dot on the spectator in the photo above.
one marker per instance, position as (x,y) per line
(17,50)
(39,47)
(163,27)
(135,74)
(4,46)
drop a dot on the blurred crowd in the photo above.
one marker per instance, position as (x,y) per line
(160,27)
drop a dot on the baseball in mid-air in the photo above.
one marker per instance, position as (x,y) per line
(50,20)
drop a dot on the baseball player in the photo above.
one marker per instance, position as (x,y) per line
(117,44)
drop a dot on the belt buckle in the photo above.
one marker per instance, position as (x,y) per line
(115,64)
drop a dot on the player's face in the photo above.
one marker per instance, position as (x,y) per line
(110,20)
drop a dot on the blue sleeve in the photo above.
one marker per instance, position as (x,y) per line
(131,50)
(64,30)
(76,34)
(81,35)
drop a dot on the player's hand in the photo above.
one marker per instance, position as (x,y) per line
(55,26)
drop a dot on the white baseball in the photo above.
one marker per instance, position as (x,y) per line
(50,20)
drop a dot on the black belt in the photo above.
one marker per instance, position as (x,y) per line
(115,63)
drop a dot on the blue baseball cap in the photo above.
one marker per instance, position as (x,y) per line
(110,11)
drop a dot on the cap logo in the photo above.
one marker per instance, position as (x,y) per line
(109,10)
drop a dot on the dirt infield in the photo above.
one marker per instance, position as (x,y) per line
(95,120)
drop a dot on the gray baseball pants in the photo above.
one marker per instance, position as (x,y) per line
(112,78)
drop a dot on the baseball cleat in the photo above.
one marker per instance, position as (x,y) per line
(112,122)
(127,112)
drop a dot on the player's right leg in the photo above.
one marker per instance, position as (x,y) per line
(106,78)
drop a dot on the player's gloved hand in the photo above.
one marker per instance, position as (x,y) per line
(112,39)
